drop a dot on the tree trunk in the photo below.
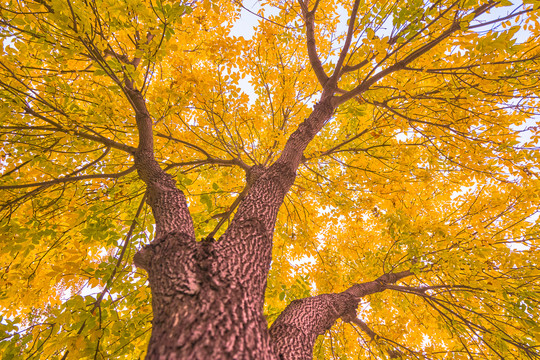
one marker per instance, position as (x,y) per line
(207,296)
(200,311)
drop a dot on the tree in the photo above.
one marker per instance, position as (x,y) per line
(377,186)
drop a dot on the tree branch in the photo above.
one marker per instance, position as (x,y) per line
(248,239)
(348,39)
(364,327)
(337,147)
(295,330)
(209,158)
(97,138)
(69,178)
(365,85)
(119,260)
(168,203)
(309,18)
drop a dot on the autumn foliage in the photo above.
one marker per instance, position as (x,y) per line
(429,164)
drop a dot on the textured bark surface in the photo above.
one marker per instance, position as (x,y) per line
(310,317)
(208,296)
(200,310)
(307,319)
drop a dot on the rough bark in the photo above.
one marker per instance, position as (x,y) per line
(207,296)
(168,203)
(200,311)
(295,330)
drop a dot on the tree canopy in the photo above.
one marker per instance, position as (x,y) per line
(428,165)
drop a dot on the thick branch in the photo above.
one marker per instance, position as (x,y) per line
(350,68)
(348,39)
(295,330)
(168,203)
(358,291)
(309,18)
(248,240)
(307,130)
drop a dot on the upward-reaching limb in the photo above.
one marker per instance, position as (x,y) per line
(247,243)
(168,203)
